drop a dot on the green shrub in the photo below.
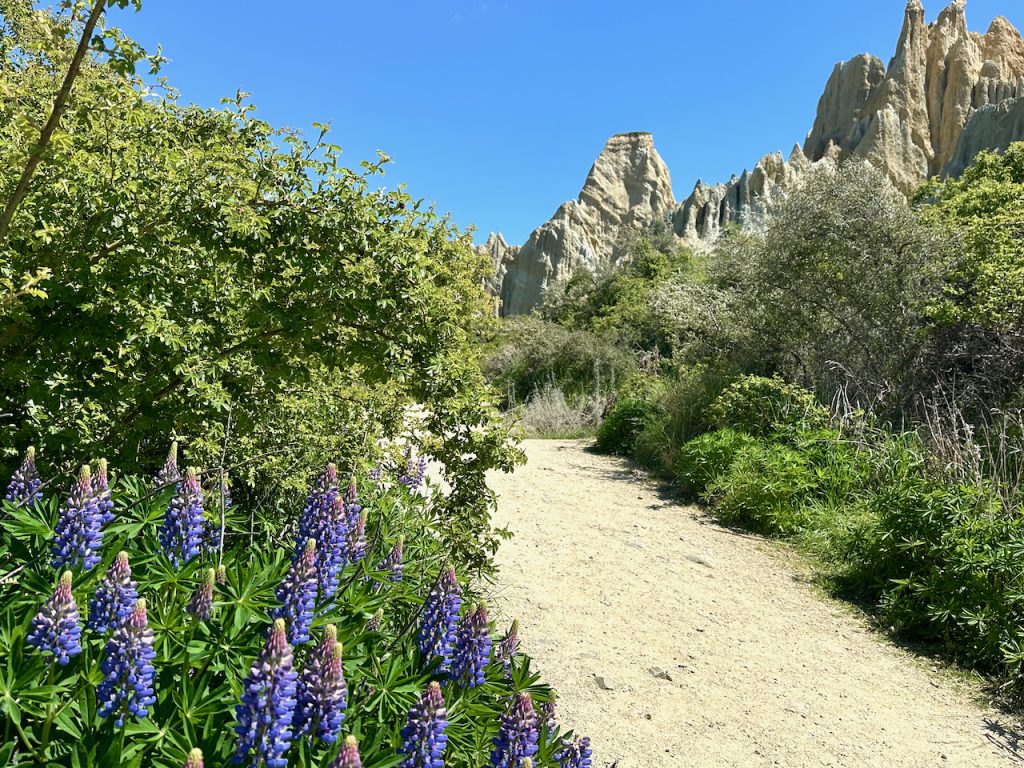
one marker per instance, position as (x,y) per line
(624,422)
(764,488)
(529,354)
(947,560)
(704,458)
(762,406)
(637,406)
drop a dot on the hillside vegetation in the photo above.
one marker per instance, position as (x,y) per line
(850,378)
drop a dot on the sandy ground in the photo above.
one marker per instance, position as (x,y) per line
(713,649)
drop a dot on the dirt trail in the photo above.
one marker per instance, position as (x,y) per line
(610,580)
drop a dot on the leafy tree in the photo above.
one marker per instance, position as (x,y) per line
(173,270)
(835,288)
(986,206)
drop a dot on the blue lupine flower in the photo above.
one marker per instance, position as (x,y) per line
(268,704)
(323,519)
(472,648)
(78,536)
(415,470)
(548,717)
(373,624)
(508,648)
(423,737)
(574,754)
(297,594)
(377,473)
(322,694)
(115,596)
(127,667)
(168,474)
(194,759)
(55,628)
(355,544)
(439,620)
(181,533)
(517,736)
(101,490)
(25,482)
(348,757)
(201,602)
(392,563)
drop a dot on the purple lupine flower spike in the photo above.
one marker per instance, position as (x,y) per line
(115,596)
(127,667)
(101,490)
(168,474)
(181,533)
(78,536)
(377,473)
(335,558)
(222,574)
(423,737)
(548,715)
(472,648)
(348,757)
(574,754)
(202,599)
(392,563)
(323,519)
(415,470)
(517,736)
(439,621)
(55,628)
(322,696)
(194,759)
(355,545)
(309,679)
(25,482)
(297,594)
(373,624)
(268,705)
(509,647)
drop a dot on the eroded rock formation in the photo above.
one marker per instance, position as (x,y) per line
(946,94)
(628,187)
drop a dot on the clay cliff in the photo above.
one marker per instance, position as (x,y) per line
(946,94)
(628,187)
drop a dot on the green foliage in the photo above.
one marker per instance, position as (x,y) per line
(835,291)
(701,460)
(763,488)
(619,302)
(762,406)
(48,713)
(986,207)
(529,353)
(198,273)
(636,407)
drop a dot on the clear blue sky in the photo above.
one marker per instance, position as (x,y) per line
(496,109)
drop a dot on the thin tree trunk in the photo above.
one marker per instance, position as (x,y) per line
(59,104)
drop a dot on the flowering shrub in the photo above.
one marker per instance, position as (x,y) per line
(340,638)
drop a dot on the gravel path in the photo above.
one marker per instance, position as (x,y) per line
(675,642)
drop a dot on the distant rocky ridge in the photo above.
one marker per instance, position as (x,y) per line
(947,94)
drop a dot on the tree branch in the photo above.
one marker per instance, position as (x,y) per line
(59,103)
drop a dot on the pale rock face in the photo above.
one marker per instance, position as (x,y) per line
(994,127)
(628,187)
(947,94)
(501,254)
(847,91)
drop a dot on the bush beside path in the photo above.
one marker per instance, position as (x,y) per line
(675,642)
